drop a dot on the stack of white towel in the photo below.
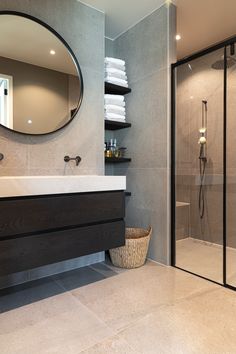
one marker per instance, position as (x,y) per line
(115,72)
(115,108)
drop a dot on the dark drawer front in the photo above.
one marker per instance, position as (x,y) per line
(33,214)
(24,253)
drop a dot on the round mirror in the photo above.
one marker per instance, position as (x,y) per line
(41,85)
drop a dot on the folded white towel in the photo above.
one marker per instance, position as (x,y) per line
(114,116)
(119,74)
(115,66)
(115,112)
(116,120)
(114,102)
(109,78)
(116,81)
(112,108)
(118,98)
(114,61)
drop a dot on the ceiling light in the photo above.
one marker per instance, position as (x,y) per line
(29,121)
(52,52)
(178,37)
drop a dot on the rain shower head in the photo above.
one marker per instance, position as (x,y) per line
(219,64)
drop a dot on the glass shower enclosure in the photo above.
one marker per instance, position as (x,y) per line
(204,164)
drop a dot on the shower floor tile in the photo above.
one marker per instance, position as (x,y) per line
(206,259)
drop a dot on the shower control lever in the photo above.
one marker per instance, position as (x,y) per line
(77,159)
(1,156)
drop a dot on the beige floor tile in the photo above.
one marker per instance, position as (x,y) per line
(206,259)
(122,299)
(204,324)
(57,325)
(34,313)
(114,345)
(153,309)
(199,258)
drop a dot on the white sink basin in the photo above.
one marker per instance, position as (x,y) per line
(41,185)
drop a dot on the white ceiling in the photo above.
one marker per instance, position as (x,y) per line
(201,23)
(31,43)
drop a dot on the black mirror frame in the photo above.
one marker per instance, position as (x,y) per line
(35,19)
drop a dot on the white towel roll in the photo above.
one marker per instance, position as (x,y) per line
(110,78)
(112,108)
(119,74)
(123,114)
(116,120)
(116,81)
(118,98)
(115,66)
(114,116)
(114,102)
(114,61)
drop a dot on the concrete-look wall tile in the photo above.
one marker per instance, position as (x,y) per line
(146,141)
(109,48)
(144,47)
(148,206)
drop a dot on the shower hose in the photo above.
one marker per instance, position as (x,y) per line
(201,196)
(202,160)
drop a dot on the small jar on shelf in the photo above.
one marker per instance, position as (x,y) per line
(111,149)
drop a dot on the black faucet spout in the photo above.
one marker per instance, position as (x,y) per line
(77,159)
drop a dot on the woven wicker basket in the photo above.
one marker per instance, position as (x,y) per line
(134,253)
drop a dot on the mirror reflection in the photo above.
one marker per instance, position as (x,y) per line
(40,83)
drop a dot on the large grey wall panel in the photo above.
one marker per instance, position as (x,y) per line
(147,49)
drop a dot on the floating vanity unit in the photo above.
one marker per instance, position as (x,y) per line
(51,219)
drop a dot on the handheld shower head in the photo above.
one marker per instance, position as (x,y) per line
(203,131)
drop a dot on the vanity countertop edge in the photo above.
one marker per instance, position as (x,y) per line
(22,186)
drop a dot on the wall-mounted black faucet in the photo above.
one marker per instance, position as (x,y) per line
(1,156)
(77,159)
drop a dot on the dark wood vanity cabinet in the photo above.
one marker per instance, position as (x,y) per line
(41,230)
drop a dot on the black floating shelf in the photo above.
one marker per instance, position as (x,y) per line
(128,194)
(112,125)
(117,159)
(116,89)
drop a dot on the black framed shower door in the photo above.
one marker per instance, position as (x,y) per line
(203,236)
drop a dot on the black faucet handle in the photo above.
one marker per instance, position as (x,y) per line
(78,160)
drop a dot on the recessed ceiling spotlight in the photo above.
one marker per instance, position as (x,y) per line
(29,121)
(178,37)
(52,52)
